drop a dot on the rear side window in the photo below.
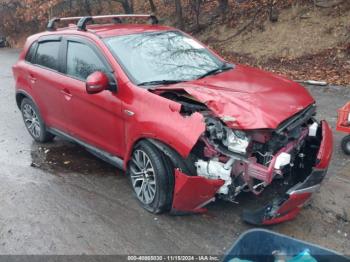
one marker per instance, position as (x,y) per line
(31,53)
(47,54)
(83,61)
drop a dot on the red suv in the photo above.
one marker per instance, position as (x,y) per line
(186,126)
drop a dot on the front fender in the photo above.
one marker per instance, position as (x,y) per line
(167,125)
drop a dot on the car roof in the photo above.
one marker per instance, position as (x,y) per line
(110,30)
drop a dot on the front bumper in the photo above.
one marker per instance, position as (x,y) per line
(192,193)
(288,207)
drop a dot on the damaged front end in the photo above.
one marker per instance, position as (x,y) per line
(227,161)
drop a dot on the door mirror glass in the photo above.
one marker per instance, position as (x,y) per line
(97,82)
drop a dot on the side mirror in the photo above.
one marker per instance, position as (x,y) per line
(97,82)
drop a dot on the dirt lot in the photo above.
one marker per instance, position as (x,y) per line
(72,203)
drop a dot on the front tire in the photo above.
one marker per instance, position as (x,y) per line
(345,145)
(151,177)
(33,121)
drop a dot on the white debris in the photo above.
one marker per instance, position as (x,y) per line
(313,82)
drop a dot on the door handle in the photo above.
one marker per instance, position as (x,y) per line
(32,78)
(67,94)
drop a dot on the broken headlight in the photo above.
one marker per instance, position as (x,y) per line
(236,141)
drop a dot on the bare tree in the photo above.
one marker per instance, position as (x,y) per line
(131,4)
(153,6)
(196,8)
(87,7)
(178,13)
(126,4)
(70,4)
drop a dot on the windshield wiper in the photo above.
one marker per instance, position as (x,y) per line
(222,68)
(160,82)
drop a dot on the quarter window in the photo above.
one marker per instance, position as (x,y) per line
(31,53)
(47,54)
(82,61)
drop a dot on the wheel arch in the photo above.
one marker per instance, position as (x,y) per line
(20,95)
(170,152)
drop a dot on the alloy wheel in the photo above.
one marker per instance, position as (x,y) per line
(143,177)
(31,120)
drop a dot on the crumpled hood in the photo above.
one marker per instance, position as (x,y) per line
(248,98)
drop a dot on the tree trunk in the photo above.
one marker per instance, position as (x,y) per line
(131,6)
(196,8)
(100,7)
(87,7)
(70,4)
(178,11)
(127,7)
(153,7)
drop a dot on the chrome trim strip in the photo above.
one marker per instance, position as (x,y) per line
(311,189)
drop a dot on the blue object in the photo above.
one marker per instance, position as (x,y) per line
(258,244)
(304,256)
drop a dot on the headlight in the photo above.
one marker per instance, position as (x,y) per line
(236,141)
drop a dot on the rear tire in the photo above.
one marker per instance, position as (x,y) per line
(33,122)
(151,177)
(345,145)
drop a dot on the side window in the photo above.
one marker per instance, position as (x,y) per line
(31,52)
(82,61)
(47,54)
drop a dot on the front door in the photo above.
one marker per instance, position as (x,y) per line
(93,118)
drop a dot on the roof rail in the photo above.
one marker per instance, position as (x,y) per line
(83,20)
(51,24)
(117,19)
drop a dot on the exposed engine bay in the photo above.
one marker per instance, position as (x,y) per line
(249,160)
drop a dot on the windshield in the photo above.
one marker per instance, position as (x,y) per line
(164,57)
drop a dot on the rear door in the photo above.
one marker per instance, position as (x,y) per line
(93,118)
(45,76)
